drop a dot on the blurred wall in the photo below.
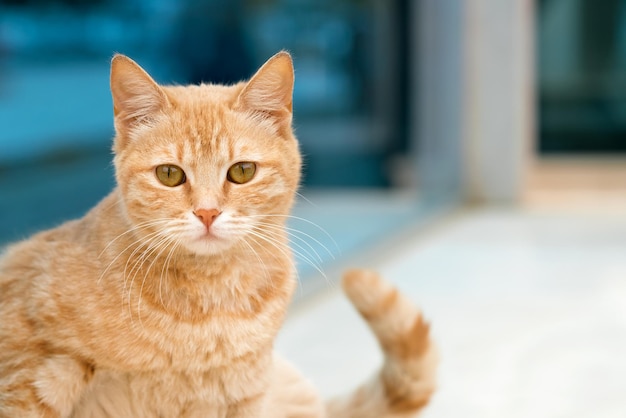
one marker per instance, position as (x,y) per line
(474,98)
(56,125)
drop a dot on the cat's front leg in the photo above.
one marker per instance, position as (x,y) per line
(46,387)
(252,407)
(246,408)
(290,395)
(287,395)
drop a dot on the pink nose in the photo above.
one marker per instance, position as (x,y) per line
(207,216)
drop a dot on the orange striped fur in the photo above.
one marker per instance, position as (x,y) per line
(142,308)
(406,382)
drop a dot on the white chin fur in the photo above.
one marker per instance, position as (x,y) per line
(219,240)
(208,245)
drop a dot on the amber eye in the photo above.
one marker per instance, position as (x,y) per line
(241,172)
(170,175)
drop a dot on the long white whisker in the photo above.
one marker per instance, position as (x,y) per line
(306,199)
(153,244)
(138,266)
(256,254)
(137,227)
(330,253)
(302,220)
(292,233)
(161,248)
(270,240)
(141,225)
(302,253)
(149,238)
(136,242)
(165,268)
(278,245)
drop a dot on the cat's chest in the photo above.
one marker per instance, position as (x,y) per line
(193,327)
(172,393)
(219,337)
(217,342)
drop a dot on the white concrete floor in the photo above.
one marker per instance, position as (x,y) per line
(527,305)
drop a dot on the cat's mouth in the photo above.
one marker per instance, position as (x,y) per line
(212,235)
(210,239)
(209,236)
(208,243)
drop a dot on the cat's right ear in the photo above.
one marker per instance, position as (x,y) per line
(269,92)
(137,98)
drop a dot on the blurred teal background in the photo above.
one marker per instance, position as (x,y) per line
(473,151)
(403,108)
(55,107)
(582,76)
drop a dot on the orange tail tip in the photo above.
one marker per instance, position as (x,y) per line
(366,290)
(405,383)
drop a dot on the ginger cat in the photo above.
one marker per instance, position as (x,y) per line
(164,300)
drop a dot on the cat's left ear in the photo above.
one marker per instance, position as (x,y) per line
(137,98)
(270,90)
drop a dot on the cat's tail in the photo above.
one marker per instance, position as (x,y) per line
(406,381)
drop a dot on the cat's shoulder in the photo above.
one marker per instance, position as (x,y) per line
(72,238)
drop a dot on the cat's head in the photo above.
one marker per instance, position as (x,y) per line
(205,166)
